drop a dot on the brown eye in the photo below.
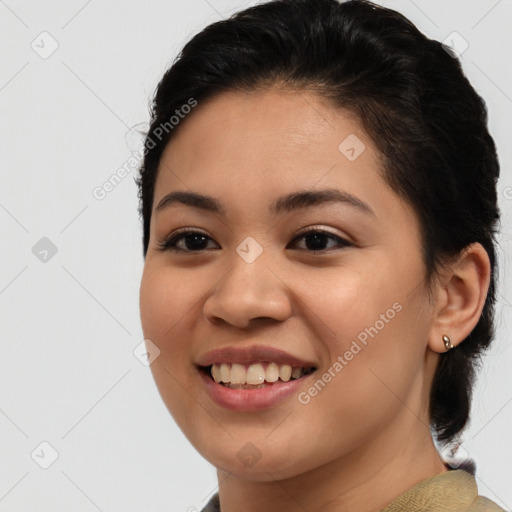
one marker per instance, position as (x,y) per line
(185,241)
(317,239)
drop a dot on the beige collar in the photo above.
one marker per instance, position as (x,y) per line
(450,491)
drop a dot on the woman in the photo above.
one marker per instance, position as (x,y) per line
(318,196)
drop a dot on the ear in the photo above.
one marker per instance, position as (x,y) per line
(460,294)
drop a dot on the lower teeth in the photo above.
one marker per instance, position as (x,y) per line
(245,386)
(253,386)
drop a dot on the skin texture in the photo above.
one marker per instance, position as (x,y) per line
(364,439)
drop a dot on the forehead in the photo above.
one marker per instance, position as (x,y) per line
(299,119)
(249,148)
(267,135)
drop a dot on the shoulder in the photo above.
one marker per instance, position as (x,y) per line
(483,504)
(480,503)
(213,505)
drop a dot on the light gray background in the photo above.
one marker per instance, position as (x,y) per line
(68,374)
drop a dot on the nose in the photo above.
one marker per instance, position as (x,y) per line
(248,294)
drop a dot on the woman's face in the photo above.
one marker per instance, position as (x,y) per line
(254,293)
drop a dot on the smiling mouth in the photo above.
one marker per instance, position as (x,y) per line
(254,376)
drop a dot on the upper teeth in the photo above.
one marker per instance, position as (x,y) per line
(254,374)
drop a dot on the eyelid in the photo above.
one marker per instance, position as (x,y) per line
(315,229)
(186,230)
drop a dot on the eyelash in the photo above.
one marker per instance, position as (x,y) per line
(169,244)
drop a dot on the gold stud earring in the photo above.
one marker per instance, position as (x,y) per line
(447,342)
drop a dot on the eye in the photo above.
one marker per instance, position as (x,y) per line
(193,241)
(316,239)
(197,241)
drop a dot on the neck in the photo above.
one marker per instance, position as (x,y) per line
(366,479)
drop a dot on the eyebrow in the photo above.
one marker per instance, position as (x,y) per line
(284,204)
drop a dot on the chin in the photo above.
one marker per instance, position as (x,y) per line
(247,462)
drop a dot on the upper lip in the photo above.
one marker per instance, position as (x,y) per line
(249,355)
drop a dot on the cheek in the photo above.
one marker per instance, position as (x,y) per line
(353,300)
(168,308)
(167,297)
(380,343)
(166,302)
(377,330)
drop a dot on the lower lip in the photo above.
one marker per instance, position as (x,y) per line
(251,399)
